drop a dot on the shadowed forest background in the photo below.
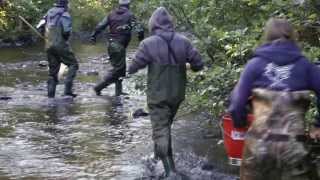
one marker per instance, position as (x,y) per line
(225,31)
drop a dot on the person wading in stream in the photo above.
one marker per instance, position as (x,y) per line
(166,54)
(58,26)
(121,23)
(274,145)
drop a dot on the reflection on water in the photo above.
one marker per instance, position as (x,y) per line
(36,52)
(88,137)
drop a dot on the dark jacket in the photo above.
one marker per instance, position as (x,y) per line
(121,22)
(278,66)
(58,26)
(166,54)
(155,49)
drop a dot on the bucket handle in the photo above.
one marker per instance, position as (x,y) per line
(222,130)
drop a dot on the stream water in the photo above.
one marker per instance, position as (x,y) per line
(91,137)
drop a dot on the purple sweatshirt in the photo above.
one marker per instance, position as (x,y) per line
(276,66)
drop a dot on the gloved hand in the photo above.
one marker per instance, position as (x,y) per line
(66,35)
(240,124)
(141,36)
(128,75)
(239,121)
(41,26)
(93,39)
(41,31)
(200,76)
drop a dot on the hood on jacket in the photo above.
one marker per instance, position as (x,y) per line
(279,52)
(124,2)
(121,10)
(161,21)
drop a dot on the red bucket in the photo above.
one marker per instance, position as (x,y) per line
(234,139)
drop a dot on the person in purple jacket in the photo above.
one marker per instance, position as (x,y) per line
(278,66)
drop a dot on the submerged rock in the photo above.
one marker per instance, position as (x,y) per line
(140,113)
(207,167)
(5,98)
(43,63)
(93,73)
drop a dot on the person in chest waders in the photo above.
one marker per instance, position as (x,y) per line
(165,53)
(279,79)
(58,26)
(121,22)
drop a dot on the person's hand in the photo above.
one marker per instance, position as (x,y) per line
(93,39)
(200,76)
(315,133)
(188,66)
(128,75)
(240,124)
(140,37)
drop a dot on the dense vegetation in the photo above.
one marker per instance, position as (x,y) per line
(226,32)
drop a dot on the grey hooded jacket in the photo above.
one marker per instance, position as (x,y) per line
(155,49)
(166,54)
(58,26)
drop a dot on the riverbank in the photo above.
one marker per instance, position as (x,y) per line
(21,40)
(30,39)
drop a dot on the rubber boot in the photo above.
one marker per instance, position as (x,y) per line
(118,88)
(168,165)
(69,80)
(51,88)
(156,156)
(170,170)
(68,89)
(98,88)
(108,79)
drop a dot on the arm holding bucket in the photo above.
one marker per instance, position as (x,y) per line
(241,93)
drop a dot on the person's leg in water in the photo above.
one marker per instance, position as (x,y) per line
(118,88)
(107,80)
(162,118)
(69,59)
(54,66)
(117,54)
(120,65)
(176,175)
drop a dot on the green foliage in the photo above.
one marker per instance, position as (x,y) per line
(31,10)
(226,32)
(88,13)
(210,91)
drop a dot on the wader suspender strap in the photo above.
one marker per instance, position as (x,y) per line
(170,50)
(278,137)
(59,14)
